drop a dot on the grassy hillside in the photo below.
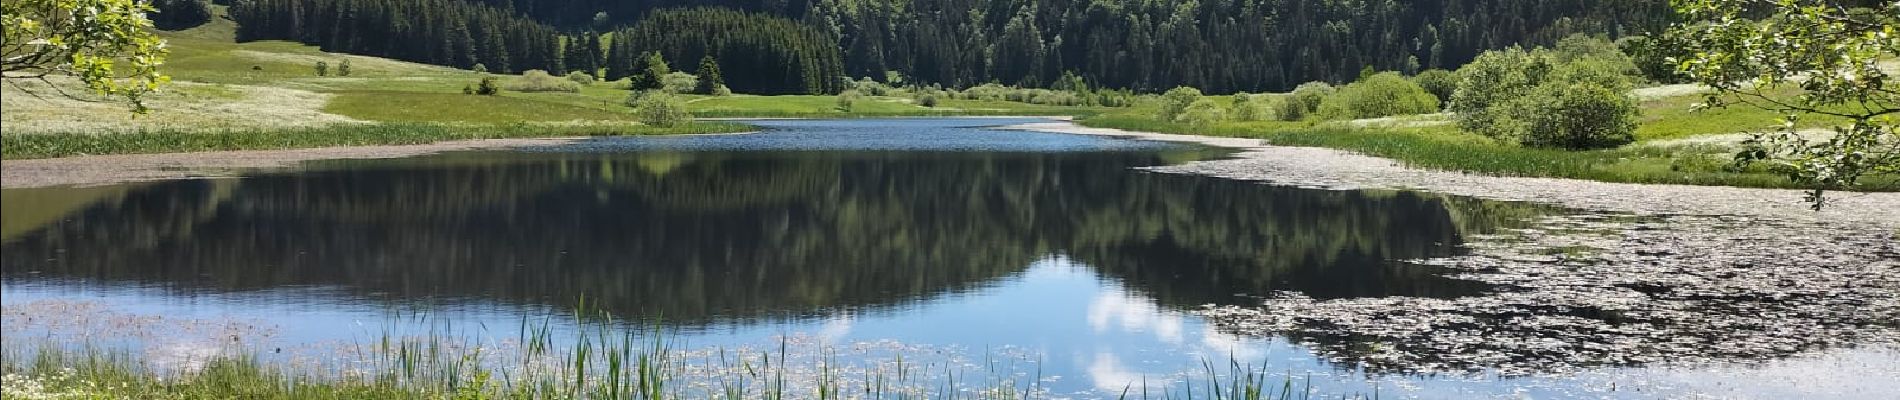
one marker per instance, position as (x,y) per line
(248,95)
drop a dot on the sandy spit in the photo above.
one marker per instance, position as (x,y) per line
(118,168)
(1324,168)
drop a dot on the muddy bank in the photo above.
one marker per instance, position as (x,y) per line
(1638,275)
(119,168)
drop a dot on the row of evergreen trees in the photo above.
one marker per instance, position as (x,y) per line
(804,46)
(762,54)
(444,32)
(757,53)
(1217,45)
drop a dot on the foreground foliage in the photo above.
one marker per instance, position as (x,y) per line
(1748,49)
(107,44)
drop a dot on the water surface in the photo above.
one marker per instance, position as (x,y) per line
(934,232)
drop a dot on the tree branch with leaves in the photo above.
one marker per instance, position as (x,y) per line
(107,44)
(1752,52)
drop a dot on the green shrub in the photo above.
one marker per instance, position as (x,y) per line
(1440,83)
(848,99)
(659,108)
(535,80)
(1202,112)
(679,82)
(1288,108)
(580,77)
(1053,97)
(479,68)
(468,89)
(928,100)
(1488,83)
(1310,94)
(323,68)
(1578,116)
(1586,47)
(869,87)
(1575,98)
(487,87)
(1379,95)
(1610,74)
(987,91)
(1252,107)
(1176,101)
(1072,93)
(1113,97)
(343,68)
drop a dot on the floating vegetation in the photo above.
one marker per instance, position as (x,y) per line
(1578,291)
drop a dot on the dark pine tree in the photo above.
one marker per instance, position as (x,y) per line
(710,79)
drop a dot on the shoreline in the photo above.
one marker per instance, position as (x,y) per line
(1257,160)
(107,169)
(1333,169)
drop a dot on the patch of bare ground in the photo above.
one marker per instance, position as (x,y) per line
(1637,275)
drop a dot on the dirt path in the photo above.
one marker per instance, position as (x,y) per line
(106,169)
(1336,169)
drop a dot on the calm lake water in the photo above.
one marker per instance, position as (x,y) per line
(939,234)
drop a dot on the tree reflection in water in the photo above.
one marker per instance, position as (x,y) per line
(733,236)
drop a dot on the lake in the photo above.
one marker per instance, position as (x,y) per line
(943,240)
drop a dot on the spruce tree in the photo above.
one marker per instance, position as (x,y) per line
(709,79)
(652,72)
(620,58)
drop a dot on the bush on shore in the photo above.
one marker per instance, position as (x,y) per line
(1379,95)
(1176,101)
(1576,97)
(1440,83)
(659,108)
(534,80)
(848,99)
(1202,112)
(1309,95)
(1578,116)
(1252,107)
